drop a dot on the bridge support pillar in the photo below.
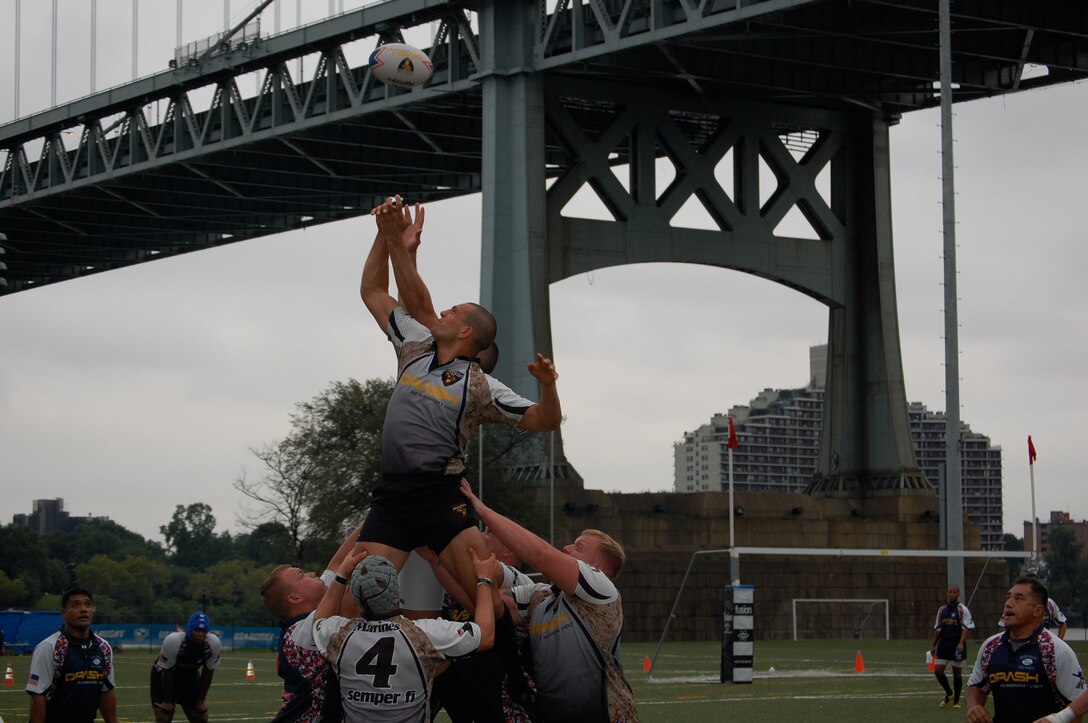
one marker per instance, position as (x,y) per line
(514,274)
(865,448)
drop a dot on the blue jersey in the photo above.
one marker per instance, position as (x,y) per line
(952,619)
(1028,682)
(72,674)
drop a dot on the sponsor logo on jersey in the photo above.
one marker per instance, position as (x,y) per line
(1027,661)
(549,626)
(432,390)
(375,698)
(451,376)
(1013,676)
(84,675)
(460,509)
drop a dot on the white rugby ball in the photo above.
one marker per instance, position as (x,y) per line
(401,65)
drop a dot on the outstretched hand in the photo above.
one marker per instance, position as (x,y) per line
(349,563)
(397,224)
(488,567)
(544,370)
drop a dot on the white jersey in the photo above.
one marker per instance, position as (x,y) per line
(1053,617)
(180,652)
(386,667)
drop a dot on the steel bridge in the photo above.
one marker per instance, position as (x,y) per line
(563,92)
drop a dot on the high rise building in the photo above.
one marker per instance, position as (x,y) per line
(49,516)
(779,434)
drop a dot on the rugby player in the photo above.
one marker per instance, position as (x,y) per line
(1031,672)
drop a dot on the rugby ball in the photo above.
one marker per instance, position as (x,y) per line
(400,65)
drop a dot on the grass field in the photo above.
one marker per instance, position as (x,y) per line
(813,681)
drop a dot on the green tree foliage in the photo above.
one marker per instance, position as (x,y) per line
(316,482)
(191,538)
(24,560)
(100,537)
(13,592)
(132,584)
(269,543)
(1065,569)
(232,586)
(1012,543)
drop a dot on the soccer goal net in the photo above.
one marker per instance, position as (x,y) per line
(858,618)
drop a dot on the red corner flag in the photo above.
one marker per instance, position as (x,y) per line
(732,443)
(1031,451)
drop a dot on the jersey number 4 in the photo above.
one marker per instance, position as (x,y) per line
(378,661)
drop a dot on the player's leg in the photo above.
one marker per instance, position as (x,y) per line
(957,679)
(196,716)
(945,655)
(455,557)
(161,715)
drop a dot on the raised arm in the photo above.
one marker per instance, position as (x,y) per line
(401,233)
(330,603)
(374,286)
(545,415)
(559,567)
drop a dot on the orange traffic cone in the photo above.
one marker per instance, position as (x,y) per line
(9,676)
(646,664)
(859,664)
(250,673)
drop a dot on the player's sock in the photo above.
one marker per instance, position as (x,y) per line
(943,680)
(957,681)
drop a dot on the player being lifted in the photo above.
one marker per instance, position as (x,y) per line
(440,399)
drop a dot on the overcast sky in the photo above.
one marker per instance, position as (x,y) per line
(130,392)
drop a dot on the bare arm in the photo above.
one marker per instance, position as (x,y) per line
(345,547)
(559,567)
(37,708)
(330,603)
(400,232)
(108,705)
(547,414)
(374,286)
(976,705)
(484,616)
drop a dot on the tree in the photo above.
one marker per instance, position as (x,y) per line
(13,592)
(100,537)
(267,543)
(1064,568)
(317,481)
(281,492)
(231,586)
(1012,543)
(191,539)
(24,559)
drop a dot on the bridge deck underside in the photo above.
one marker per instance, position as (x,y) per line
(863,54)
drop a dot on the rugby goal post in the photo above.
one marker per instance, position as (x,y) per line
(736,552)
(837,613)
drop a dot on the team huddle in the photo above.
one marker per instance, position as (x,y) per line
(419,610)
(366,641)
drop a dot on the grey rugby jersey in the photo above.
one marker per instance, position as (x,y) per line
(435,409)
(576,647)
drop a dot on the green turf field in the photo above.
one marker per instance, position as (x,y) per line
(813,681)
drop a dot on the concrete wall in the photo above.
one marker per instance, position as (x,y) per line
(660,531)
